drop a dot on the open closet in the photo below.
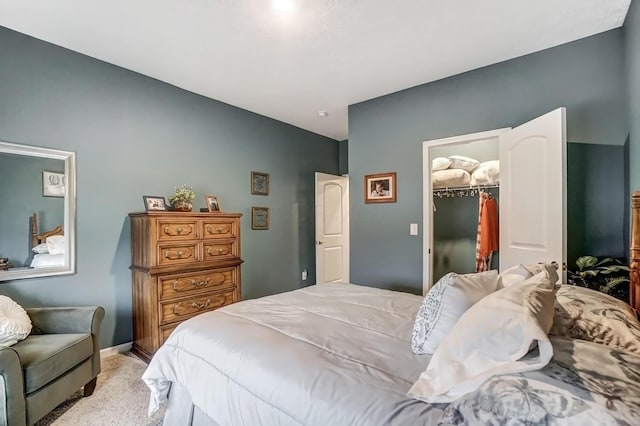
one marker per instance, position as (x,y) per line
(529,189)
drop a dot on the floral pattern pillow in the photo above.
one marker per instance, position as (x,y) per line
(582,313)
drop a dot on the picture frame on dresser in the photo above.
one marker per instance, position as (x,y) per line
(213,203)
(154,203)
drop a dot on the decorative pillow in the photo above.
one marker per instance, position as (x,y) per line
(55,244)
(585,314)
(445,303)
(487,173)
(450,177)
(40,248)
(440,163)
(15,324)
(519,273)
(495,336)
(514,275)
(462,162)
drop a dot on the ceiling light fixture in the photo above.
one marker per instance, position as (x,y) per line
(322,113)
(283,5)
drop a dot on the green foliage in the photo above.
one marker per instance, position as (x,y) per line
(607,275)
(183,193)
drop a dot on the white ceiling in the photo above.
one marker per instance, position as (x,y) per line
(321,55)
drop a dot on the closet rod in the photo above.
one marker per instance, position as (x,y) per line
(462,191)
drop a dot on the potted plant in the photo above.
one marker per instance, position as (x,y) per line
(606,275)
(181,199)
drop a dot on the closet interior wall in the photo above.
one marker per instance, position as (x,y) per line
(455,219)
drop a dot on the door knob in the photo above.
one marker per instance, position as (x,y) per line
(319,243)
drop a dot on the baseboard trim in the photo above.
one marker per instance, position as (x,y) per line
(114,350)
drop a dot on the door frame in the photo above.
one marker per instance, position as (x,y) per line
(345,218)
(427,195)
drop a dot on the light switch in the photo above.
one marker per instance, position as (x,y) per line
(413,229)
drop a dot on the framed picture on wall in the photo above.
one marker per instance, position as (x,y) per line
(259,217)
(52,184)
(259,183)
(380,188)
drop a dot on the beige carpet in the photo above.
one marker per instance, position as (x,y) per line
(120,398)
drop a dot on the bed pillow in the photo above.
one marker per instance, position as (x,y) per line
(445,303)
(504,333)
(519,273)
(449,178)
(41,248)
(55,244)
(15,324)
(462,162)
(514,275)
(487,173)
(585,314)
(440,163)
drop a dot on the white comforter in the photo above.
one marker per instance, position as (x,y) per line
(334,354)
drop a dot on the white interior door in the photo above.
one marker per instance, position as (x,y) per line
(332,228)
(533,192)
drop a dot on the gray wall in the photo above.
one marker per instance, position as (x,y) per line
(21,191)
(595,201)
(133,136)
(386,135)
(632,68)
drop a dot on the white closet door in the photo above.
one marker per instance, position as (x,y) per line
(533,192)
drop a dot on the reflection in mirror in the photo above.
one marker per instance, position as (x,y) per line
(37,212)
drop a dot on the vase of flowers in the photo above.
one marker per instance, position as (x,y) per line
(182,198)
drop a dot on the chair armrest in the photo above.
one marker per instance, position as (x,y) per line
(12,405)
(85,319)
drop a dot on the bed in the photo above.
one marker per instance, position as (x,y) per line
(48,246)
(341,354)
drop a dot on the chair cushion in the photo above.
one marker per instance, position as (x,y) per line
(46,357)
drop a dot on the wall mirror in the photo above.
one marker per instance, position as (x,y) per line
(37,212)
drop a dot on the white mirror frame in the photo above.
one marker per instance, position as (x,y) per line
(69,225)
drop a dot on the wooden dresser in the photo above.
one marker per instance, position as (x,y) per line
(182,264)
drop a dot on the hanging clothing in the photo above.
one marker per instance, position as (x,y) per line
(487,238)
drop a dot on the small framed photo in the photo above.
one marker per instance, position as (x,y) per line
(259,183)
(259,217)
(380,188)
(153,203)
(52,184)
(213,204)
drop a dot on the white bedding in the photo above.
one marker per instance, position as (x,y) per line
(334,354)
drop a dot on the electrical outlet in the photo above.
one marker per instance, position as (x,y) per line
(304,275)
(413,229)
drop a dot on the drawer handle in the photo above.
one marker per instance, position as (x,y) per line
(218,229)
(200,283)
(194,282)
(177,309)
(166,230)
(179,230)
(219,250)
(200,306)
(167,254)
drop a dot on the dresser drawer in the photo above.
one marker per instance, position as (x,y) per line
(166,330)
(176,230)
(176,254)
(219,228)
(191,284)
(179,310)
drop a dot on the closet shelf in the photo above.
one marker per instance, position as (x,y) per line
(462,191)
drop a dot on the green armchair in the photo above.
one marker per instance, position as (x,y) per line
(61,355)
